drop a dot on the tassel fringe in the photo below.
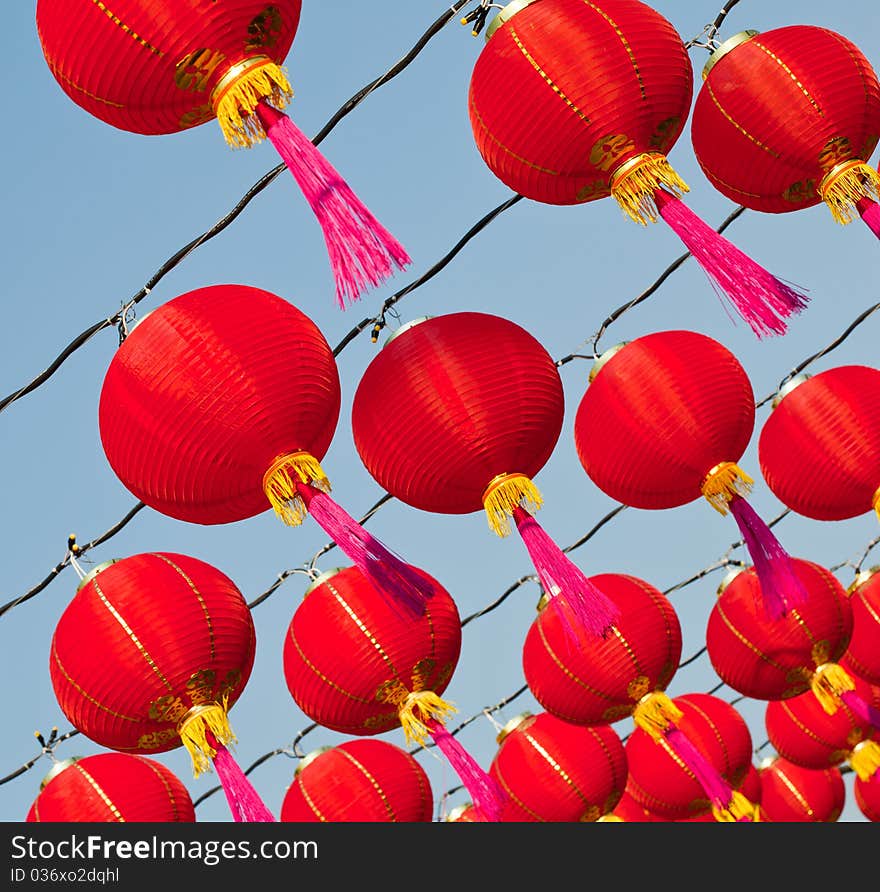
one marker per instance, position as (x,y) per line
(655,713)
(723,482)
(243,799)
(505,493)
(635,182)
(194,729)
(739,809)
(828,682)
(844,186)
(416,712)
(865,759)
(280,484)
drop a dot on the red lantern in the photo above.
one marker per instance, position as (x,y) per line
(162,66)
(663,421)
(152,652)
(553,771)
(603,682)
(863,651)
(466,813)
(358,781)
(867,796)
(779,659)
(819,448)
(479,410)
(608,91)
(629,810)
(789,118)
(792,793)
(221,403)
(354,664)
(112,787)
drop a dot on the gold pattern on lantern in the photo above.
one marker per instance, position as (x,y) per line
(200,686)
(724,481)
(264,29)
(167,708)
(133,34)
(610,149)
(801,191)
(195,70)
(196,116)
(156,739)
(638,687)
(422,672)
(662,136)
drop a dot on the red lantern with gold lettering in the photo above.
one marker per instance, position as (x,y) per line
(792,793)
(788,118)
(112,788)
(358,781)
(608,91)
(150,654)
(863,650)
(162,66)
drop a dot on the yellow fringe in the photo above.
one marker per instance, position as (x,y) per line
(635,181)
(503,494)
(875,503)
(865,759)
(234,106)
(828,682)
(193,729)
(738,808)
(841,190)
(655,712)
(418,707)
(723,482)
(279,484)
(606,819)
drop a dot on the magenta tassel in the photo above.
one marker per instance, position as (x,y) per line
(486,793)
(759,297)
(361,250)
(582,605)
(780,587)
(392,577)
(870,213)
(866,713)
(244,801)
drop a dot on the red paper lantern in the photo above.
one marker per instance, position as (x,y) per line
(553,771)
(466,813)
(863,651)
(663,421)
(788,118)
(221,403)
(162,66)
(358,781)
(867,796)
(629,810)
(792,793)
(608,90)
(819,448)
(603,681)
(112,787)
(150,654)
(479,410)
(778,659)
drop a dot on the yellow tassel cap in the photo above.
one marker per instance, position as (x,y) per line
(865,759)
(875,503)
(634,183)
(655,712)
(738,808)
(828,682)
(279,484)
(723,482)
(506,492)
(416,709)
(845,184)
(237,93)
(607,819)
(193,728)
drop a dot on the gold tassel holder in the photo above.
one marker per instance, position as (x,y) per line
(506,492)
(279,484)
(875,503)
(634,183)
(865,759)
(847,183)
(237,93)
(738,808)
(193,728)
(828,682)
(416,708)
(655,712)
(609,818)
(723,482)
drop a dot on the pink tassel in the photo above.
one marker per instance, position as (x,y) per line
(582,606)
(244,801)
(865,712)
(780,587)
(870,213)
(487,795)
(393,578)
(361,249)
(759,297)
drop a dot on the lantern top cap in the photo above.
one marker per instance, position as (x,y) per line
(725,47)
(406,327)
(98,568)
(861,578)
(56,769)
(788,387)
(322,578)
(729,576)
(310,757)
(512,725)
(505,14)
(458,811)
(604,357)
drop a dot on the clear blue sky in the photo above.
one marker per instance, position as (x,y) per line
(92,212)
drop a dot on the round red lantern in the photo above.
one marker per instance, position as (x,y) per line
(628,810)
(466,813)
(479,410)
(867,796)
(792,793)
(145,674)
(358,781)
(221,403)
(603,681)
(664,420)
(863,652)
(553,771)
(112,787)
(608,92)
(354,664)
(776,141)
(819,448)
(779,659)
(162,66)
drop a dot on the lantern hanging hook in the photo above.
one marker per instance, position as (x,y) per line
(477,17)
(126,317)
(73,550)
(48,746)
